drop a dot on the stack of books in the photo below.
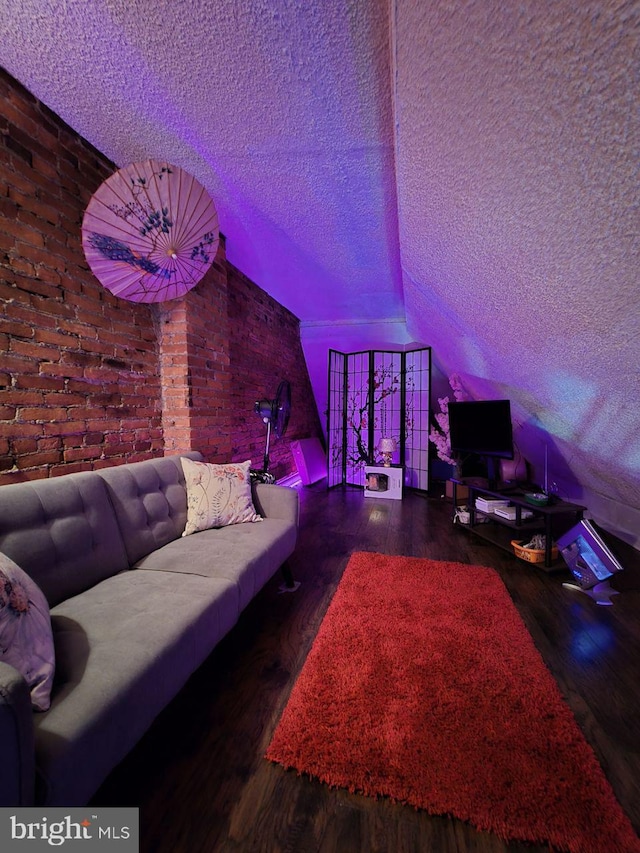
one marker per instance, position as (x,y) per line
(490,504)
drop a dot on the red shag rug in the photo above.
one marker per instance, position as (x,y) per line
(424,685)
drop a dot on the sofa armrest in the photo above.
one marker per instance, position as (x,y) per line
(17,767)
(273,501)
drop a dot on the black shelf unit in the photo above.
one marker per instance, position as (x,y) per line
(552,519)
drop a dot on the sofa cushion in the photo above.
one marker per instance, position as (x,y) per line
(62,532)
(150,502)
(217,495)
(245,554)
(124,649)
(26,641)
(273,501)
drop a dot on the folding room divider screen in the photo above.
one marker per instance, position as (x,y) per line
(378,394)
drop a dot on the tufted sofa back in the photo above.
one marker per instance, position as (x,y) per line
(70,532)
(63,532)
(150,502)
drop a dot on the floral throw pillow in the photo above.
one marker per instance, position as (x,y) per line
(217,495)
(26,639)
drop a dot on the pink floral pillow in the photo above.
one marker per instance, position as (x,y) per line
(217,495)
(26,640)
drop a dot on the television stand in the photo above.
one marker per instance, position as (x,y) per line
(552,519)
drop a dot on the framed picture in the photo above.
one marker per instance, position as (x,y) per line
(587,555)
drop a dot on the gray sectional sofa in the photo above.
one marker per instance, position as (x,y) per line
(135,609)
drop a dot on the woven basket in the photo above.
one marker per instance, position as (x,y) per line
(532,555)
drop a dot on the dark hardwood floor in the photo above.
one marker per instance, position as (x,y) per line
(199,776)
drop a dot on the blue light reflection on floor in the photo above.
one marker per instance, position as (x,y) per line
(589,643)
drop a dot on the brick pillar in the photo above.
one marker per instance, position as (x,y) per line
(193,337)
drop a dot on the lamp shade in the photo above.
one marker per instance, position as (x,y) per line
(387,445)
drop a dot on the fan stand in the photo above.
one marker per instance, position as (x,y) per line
(274,413)
(264,408)
(265,463)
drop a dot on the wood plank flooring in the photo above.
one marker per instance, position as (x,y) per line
(199,776)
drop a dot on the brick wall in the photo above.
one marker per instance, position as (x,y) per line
(89,380)
(265,348)
(195,367)
(79,385)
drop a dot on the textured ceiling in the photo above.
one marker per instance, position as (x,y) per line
(282,110)
(459,173)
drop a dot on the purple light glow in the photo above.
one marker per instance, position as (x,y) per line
(460,177)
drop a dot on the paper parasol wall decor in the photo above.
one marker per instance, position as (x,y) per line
(150,232)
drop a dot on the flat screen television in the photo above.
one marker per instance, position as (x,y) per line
(482,428)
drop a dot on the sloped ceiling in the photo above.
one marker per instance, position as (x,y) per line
(458,173)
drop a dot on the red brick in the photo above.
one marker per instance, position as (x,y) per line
(25,249)
(82,453)
(56,338)
(20,397)
(32,285)
(34,350)
(26,430)
(65,399)
(44,383)
(15,328)
(25,233)
(102,423)
(90,317)
(49,443)
(48,275)
(33,460)
(64,428)
(30,316)
(54,309)
(43,210)
(43,413)
(64,370)
(21,266)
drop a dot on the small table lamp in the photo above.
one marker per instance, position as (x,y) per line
(386,448)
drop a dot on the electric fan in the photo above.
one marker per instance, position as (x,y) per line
(275,414)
